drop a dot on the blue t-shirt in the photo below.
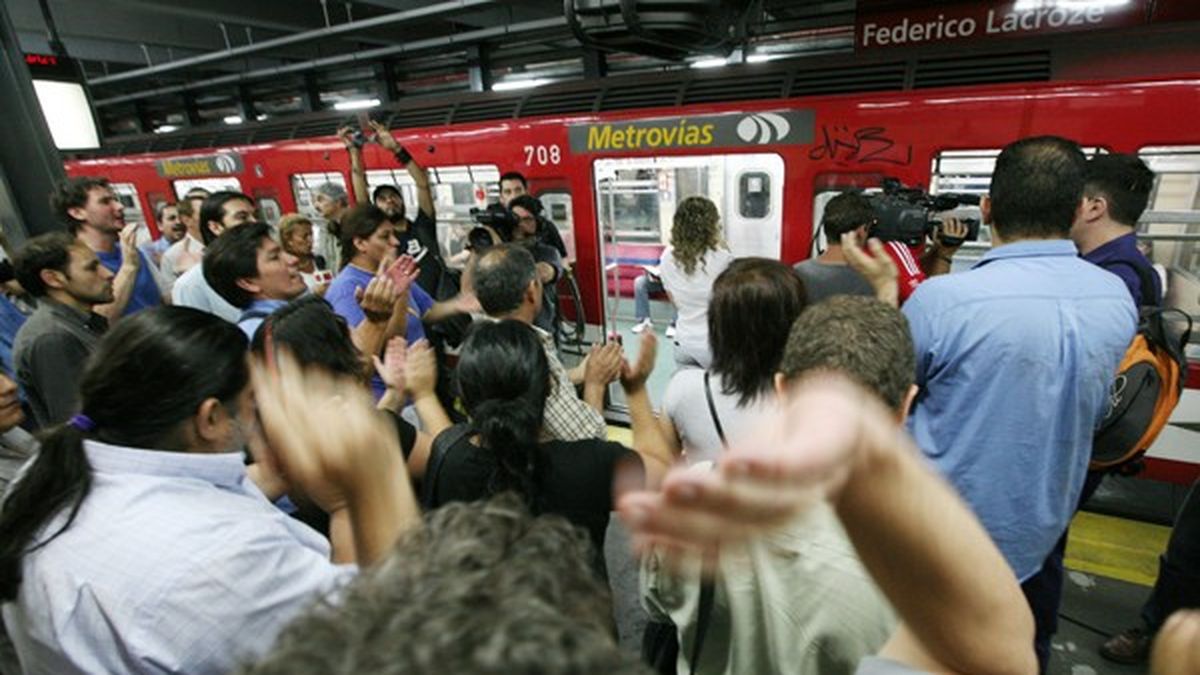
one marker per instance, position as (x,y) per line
(1014,361)
(340,296)
(1122,257)
(146,292)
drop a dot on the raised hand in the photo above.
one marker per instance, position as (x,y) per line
(420,369)
(346,136)
(603,364)
(403,272)
(392,368)
(129,250)
(634,375)
(324,436)
(384,137)
(378,298)
(877,268)
(802,453)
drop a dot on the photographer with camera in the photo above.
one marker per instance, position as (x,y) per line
(417,236)
(829,274)
(518,224)
(513,185)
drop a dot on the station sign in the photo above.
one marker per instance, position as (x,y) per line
(970,21)
(224,163)
(686,132)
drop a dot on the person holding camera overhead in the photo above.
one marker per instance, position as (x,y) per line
(417,236)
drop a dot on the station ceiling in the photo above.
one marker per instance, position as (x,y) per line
(154,63)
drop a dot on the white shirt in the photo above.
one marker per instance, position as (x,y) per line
(690,293)
(181,257)
(175,563)
(192,290)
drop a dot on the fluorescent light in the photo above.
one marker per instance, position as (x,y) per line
(513,85)
(165,129)
(233,119)
(260,117)
(709,63)
(67,113)
(356,105)
(760,58)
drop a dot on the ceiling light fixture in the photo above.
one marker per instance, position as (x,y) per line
(356,105)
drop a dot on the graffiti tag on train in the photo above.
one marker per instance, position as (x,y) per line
(863,145)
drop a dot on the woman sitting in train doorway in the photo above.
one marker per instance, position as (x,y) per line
(296,237)
(690,265)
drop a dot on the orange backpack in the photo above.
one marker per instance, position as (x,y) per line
(1146,389)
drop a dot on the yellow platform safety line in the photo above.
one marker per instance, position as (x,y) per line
(1116,547)
(1105,545)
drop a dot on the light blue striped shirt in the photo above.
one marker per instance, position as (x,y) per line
(176,563)
(1014,361)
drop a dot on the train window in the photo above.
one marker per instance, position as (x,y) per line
(970,172)
(456,190)
(1170,227)
(754,194)
(182,186)
(304,187)
(269,209)
(558,210)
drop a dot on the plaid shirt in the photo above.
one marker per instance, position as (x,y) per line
(567,417)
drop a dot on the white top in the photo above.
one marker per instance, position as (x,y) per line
(690,293)
(181,257)
(687,407)
(192,290)
(175,563)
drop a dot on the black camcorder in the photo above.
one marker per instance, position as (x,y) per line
(905,214)
(496,216)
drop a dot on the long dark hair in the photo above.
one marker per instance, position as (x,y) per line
(754,303)
(170,358)
(504,379)
(310,329)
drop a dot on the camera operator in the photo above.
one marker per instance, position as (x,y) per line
(829,274)
(939,252)
(518,224)
(513,185)
(418,236)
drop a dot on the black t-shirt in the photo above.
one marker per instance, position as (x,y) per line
(420,241)
(574,479)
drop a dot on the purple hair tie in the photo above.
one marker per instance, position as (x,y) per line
(82,422)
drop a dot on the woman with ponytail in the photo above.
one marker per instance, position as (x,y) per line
(504,379)
(136,541)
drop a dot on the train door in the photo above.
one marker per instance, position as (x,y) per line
(636,200)
(456,190)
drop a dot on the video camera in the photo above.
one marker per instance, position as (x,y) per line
(905,214)
(496,216)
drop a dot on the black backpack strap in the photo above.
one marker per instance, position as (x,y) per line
(441,447)
(1146,277)
(704,615)
(712,410)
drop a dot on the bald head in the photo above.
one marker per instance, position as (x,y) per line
(502,276)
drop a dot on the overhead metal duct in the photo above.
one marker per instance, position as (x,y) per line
(426,12)
(665,29)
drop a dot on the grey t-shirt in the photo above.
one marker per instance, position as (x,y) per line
(822,280)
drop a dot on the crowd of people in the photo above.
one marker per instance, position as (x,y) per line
(304,447)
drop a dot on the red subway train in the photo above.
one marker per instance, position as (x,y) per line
(611,180)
